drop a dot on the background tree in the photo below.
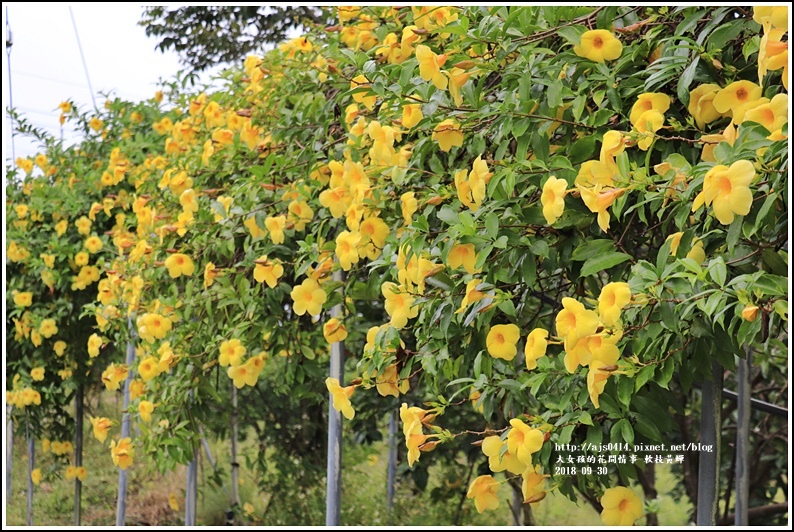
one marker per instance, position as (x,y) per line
(208,35)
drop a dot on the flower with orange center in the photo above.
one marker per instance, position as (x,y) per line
(594,172)
(553,198)
(772,115)
(179,264)
(463,255)
(621,507)
(399,305)
(614,296)
(48,328)
(231,353)
(412,115)
(523,441)
(598,46)
(308,297)
(149,368)
(336,200)
(649,101)
(575,321)
(727,190)
(598,201)
(374,232)
(93,244)
(735,97)
(501,341)
(347,248)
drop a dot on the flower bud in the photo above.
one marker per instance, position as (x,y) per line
(750,313)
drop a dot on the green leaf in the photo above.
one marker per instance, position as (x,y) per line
(592,248)
(647,428)
(510,384)
(601,262)
(625,390)
(585,418)
(718,271)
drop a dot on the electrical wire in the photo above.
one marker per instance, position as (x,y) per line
(82,56)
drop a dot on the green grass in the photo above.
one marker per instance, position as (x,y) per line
(363,493)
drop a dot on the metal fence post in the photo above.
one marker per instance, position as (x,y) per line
(333,513)
(391,472)
(121,502)
(78,452)
(743,366)
(31,466)
(710,435)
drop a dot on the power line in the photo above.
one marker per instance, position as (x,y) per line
(45,78)
(80,47)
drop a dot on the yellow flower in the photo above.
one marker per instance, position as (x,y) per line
(701,104)
(248,508)
(500,458)
(771,16)
(48,328)
(172,502)
(484,491)
(179,264)
(59,347)
(696,252)
(122,452)
(94,344)
(532,485)
(374,232)
(268,271)
(408,205)
(648,123)
(598,201)
(276,225)
(93,244)
(145,409)
(472,295)
(334,331)
(35,476)
(23,299)
(537,342)
(37,374)
(362,96)
(501,341)
(148,368)
(649,101)
(210,273)
(553,198)
(253,228)
(308,297)
(727,190)
(96,124)
(347,248)
(773,55)
(621,507)
(430,66)
(750,312)
(575,321)
(597,379)
(101,426)
(399,305)
(598,46)
(114,375)
(389,382)
(523,441)
(462,255)
(345,13)
(614,296)
(772,115)
(448,134)
(60,227)
(341,397)
(231,353)
(735,97)
(412,115)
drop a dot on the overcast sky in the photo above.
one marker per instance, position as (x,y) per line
(46,68)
